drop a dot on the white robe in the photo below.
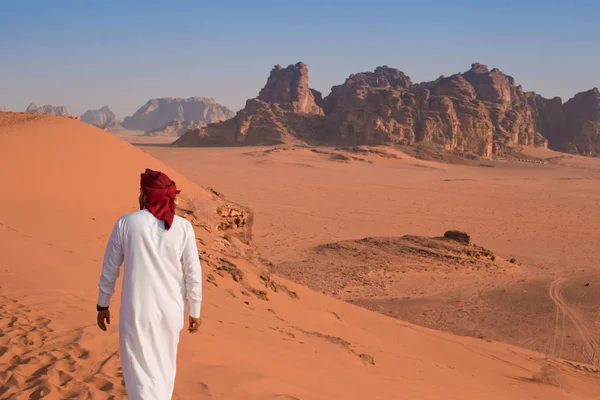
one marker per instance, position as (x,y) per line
(153,299)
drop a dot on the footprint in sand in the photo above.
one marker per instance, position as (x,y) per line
(41,321)
(102,384)
(39,372)
(40,392)
(12,321)
(64,378)
(36,363)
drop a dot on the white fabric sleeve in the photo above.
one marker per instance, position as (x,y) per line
(113,258)
(192,271)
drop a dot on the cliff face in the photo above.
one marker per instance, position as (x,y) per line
(102,118)
(479,112)
(158,112)
(385,107)
(47,109)
(512,113)
(582,118)
(290,86)
(285,111)
(258,124)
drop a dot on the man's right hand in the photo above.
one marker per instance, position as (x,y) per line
(194,324)
(103,316)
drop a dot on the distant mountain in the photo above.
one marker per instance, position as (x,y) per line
(175,128)
(286,111)
(480,113)
(102,118)
(47,109)
(157,113)
(582,117)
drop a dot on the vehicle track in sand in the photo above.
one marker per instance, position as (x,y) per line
(566,315)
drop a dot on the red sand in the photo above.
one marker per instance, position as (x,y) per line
(67,182)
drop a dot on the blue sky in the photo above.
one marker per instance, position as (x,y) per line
(86,54)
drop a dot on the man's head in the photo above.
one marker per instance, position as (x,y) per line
(157,194)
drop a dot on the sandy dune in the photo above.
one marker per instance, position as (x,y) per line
(66,183)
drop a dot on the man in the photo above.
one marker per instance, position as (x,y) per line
(153,243)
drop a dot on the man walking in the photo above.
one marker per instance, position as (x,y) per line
(152,243)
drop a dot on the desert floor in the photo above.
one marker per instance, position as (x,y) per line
(544,214)
(65,184)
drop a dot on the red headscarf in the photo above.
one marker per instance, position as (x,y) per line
(159,191)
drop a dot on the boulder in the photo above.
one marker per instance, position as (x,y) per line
(458,236)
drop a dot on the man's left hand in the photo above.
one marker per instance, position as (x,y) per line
(102,317)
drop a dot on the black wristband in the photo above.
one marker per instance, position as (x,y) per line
(98,308)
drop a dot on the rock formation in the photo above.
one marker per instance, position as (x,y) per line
(47,109)
(290,86)
(513,114)
(582,117)
(102,118)
(285,111)
(158,112)
(385,107)
(479,113)
(550,117)
(175,128)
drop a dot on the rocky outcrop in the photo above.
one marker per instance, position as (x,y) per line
(159,112)
(514,116)
(384,106)
(549,115)
(285,112)
(47,109)
(175,128)
(258,124)
(582,117)
(479,113)
(572,127)
(290,86)
(102,118)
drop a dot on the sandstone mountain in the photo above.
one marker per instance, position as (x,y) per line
(290,86)
(175,128)
(582,118)
(102,118)
(47,109)
(158,112)
(285,111)
(480,113)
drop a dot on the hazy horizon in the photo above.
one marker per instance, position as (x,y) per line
(85,56)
